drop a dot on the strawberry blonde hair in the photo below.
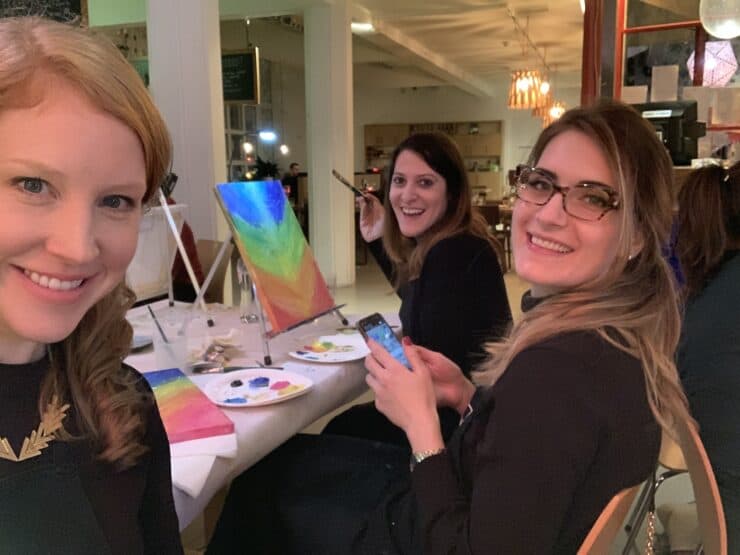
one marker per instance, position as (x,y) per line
(86,367)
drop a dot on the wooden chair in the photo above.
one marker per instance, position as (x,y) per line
(712,523)
(207,251)
(607,526)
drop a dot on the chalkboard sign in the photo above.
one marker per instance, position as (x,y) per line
(241,76)
(61,10)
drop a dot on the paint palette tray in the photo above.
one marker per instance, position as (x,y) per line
(337,348)
(256,387)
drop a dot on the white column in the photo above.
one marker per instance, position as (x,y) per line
(185,79)
(329,133)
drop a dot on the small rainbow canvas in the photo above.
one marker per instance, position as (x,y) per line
(289,283)
(187,412)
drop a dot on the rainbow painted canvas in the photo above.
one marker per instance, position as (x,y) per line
(290,286)
(187,412)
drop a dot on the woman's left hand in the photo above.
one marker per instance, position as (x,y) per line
(405,397)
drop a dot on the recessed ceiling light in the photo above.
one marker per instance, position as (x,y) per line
(362,27)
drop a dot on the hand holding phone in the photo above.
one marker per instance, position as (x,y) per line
(346,183)
(376,328)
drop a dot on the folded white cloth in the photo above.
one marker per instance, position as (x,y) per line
(218,446)
(189,474)
(192,460)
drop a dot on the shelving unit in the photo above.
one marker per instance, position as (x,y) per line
(480,144)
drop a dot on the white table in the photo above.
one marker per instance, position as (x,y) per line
(259,430)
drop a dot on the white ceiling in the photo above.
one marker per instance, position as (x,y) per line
(470,44)
(475,43)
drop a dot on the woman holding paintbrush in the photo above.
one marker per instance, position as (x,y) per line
(442,261)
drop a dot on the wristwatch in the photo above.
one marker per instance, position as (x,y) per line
(416,458)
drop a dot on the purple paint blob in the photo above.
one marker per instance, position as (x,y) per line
(261,381)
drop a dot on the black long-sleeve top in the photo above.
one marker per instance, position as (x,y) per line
(459,300)
(134,509)
(563,430)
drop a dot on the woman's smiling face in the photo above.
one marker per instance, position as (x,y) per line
(418,194)
(72,179)
(554,251)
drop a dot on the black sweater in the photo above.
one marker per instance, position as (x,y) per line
(564,429)
(458,302)
(133,508)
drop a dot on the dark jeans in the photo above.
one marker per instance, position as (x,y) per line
(312,495)
(366,422)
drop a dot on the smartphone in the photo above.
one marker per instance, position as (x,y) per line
(376,328)
(346,183)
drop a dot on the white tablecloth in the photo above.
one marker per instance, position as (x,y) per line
(258,429)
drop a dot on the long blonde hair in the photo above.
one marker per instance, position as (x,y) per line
(637,297)
(443,156)
(86,367)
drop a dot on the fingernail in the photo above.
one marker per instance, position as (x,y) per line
(407,340)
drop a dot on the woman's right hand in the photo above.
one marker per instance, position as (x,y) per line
(372,217)
(451,387)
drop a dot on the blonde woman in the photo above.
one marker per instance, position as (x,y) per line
(84,460)
(569,407)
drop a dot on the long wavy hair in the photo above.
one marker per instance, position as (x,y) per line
(637,296)
(708,223)
(443,156)
(86,367)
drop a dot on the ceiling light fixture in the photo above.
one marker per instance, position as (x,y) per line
(720,63)
(720,18)
(528,89)
(268,136)
(361,28)
(524,91)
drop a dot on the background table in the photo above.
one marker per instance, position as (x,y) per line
(259,429)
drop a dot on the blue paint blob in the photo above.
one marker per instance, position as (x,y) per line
(261,381)
(236,400)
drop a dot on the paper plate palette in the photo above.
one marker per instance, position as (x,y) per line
(255,387)
(341,347)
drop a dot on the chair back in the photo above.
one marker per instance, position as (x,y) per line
(712,523)
(207,251)
(609,524)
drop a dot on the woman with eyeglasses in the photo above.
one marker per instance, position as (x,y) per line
(568,410)
(708,358)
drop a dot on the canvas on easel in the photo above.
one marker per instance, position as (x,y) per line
(288,282)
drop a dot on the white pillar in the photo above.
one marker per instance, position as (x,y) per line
(329,133)
(185,79)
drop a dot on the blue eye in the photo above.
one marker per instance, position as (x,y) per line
(33,185)
(117,202)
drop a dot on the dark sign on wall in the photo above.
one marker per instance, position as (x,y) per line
(61,10)
(241,76)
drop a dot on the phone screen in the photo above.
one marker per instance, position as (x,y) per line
(377,329)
